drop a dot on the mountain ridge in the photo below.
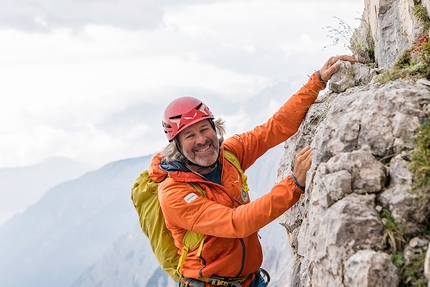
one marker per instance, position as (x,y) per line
(21,187)
(39,234)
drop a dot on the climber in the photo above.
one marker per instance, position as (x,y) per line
(231,254)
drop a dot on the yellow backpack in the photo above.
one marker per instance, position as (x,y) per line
(145,199)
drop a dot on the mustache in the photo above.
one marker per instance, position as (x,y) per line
(205,144)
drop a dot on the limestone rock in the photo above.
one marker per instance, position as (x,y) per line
(403,205)
(399,170)
(392,27)
(426,4)
(350,75)
(361,140)
(362,135)
(370,268)
(367,175)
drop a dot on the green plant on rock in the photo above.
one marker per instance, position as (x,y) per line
(371,53)
(400,70)
(398,259)
(420,11)
(421,52)
(363,44)
(404,60)
(393,237)
(412,274)
(420,166)
(422,49)
(406,67)
(414,62)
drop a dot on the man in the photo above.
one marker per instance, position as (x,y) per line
(226,216)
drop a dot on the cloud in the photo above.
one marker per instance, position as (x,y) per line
(94,87)
(98,132)
(43,16)
(46,15)
(274,39)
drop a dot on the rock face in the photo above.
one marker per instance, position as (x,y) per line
(358,223)
(391,26)
(361,138)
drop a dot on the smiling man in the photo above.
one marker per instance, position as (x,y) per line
(231,254)
(199,143)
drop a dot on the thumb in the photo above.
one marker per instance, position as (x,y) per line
(327,73)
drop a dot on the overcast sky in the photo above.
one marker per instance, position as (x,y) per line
(78,77)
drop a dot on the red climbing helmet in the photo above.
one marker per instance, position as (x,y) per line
(182,113)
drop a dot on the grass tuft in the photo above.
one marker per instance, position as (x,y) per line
(393,237)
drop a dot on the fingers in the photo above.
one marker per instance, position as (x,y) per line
(305,157)
(304,153)
(302,164)
(330,67)
(332,60)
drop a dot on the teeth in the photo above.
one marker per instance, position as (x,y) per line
(204,149)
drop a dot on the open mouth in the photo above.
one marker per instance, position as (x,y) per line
(203,149)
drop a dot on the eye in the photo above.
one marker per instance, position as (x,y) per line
(188,136)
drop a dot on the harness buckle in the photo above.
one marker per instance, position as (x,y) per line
(214,281)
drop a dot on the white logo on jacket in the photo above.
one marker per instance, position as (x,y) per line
(190,197)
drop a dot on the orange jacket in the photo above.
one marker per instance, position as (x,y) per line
(226,216)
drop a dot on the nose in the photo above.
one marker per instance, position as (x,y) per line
(200,138)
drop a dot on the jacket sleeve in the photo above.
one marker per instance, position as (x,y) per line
(249,146)
(183,207)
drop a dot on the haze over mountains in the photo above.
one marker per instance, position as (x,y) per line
(23,186)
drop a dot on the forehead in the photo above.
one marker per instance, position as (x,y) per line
(195,126)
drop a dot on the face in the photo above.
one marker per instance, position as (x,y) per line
(199,143)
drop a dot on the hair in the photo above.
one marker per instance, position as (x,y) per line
(171,152)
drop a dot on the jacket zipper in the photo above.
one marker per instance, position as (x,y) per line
(233,200)
(242,265)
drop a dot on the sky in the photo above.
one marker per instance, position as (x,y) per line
(88,80)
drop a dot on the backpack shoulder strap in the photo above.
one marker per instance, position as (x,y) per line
(199,189)
(192,239)
(232,158)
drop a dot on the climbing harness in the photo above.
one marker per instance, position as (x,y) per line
(220,281)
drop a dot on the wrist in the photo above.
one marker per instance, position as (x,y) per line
(297,183)
(320,78)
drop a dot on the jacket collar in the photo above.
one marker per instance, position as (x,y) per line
(173,166)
